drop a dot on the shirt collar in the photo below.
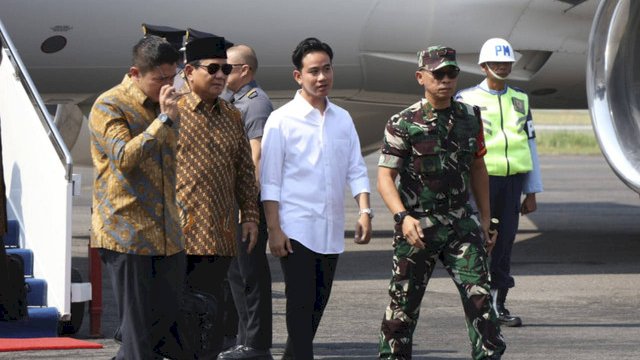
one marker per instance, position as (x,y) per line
(135,92)
(244,90)
(193,102)
(303,105)
(485,86)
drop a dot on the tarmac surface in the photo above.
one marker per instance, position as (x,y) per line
(576,262)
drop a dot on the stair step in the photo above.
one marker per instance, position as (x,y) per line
(42,322)
(27,257)
(11,238)
(36,292)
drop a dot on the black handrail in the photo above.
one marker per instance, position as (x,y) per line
(21,72)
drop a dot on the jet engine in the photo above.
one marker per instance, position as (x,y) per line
(613,86)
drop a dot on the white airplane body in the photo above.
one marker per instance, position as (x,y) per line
(375,45)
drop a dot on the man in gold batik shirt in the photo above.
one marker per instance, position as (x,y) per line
(215,173)
(135,221)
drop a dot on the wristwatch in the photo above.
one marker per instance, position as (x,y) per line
(367,211)
(399,217)
(165,119)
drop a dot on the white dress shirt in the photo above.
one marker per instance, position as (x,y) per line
(307,160)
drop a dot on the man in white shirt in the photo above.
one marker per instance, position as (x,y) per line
(310,152)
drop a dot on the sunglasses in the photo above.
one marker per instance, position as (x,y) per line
(213,68)
(452,73)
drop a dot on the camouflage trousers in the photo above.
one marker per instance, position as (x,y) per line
(465,259)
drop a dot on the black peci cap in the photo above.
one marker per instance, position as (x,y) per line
(172,35)
(206,48)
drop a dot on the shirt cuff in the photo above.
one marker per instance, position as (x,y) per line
(250,215)
(360,186)
(270,193)
(158,130)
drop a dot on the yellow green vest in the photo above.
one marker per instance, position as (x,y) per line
(504,118)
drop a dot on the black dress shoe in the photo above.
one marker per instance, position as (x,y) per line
(231,349)
(507,319)
(504,317)
(246,353)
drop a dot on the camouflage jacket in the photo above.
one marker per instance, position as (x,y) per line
(433,151)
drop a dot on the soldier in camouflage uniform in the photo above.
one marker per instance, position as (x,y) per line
(437,147)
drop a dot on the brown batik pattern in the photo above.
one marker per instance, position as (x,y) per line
(215,176)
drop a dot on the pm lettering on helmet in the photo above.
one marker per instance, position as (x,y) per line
(505,50)
(496,49)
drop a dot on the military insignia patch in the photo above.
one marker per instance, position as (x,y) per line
(518,105)
(253,93)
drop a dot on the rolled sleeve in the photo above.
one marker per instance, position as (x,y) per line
(395,145)
(357,176)
(272,162)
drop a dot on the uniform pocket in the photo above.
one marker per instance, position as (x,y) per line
(425,151)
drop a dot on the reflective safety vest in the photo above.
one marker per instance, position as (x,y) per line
(507,129)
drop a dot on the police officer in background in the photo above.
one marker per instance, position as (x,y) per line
(436,146)
(512,160)
(249,275)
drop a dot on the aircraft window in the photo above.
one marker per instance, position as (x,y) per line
(53,44)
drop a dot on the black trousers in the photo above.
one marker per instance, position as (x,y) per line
(206,274)
(148,291)
(308,278)
(250,282)
(505,198)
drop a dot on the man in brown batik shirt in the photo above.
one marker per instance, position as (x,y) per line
(215,173)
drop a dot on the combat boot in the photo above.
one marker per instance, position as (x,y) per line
(505,318)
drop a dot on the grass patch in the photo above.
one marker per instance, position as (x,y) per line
(564,142)
(559,142)
(560,117)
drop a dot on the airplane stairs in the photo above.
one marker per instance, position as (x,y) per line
(42,320)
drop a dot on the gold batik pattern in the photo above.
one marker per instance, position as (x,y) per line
(134,190)
(215,175)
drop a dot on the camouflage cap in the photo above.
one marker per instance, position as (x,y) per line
(436,57)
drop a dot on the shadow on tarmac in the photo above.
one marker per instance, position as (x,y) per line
(575,261)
